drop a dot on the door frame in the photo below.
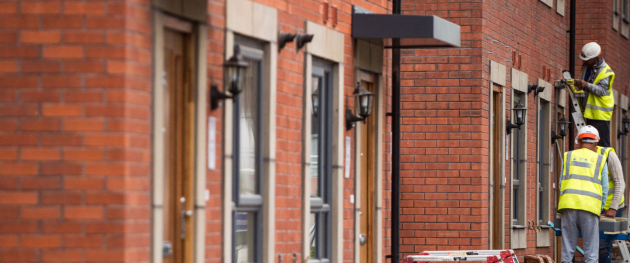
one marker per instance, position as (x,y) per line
(500,138)
(161,22)
(377,160)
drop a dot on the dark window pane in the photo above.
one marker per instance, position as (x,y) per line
(315,137)
(326,234)
(245,239)
(248,121)
(515,205)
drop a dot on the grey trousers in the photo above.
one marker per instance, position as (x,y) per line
(574,222)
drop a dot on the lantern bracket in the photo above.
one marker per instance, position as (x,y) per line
(509,126)
(351,119)
(216,96)
(555,137)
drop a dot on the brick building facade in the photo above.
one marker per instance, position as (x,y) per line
(110,150)
(452,197)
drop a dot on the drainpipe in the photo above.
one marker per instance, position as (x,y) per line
(396,142)
(572,70)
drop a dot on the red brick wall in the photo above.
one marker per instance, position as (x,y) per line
(446,110)
(75,131)
(290,99)
(444,149)
(595,24)
(215,58)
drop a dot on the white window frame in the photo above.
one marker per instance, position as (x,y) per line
(518,229)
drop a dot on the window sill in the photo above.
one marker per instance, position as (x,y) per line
(518,227)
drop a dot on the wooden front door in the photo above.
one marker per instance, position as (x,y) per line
(179,116)
(497,176)
(367,162)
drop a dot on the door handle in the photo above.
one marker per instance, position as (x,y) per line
(167,248)
(184,213)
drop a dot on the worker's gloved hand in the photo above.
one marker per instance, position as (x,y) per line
(580,84)
(610,213)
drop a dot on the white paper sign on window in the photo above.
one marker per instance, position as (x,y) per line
(212,140)
(348,144)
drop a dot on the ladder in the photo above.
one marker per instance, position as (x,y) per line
(489,256)
(578,118)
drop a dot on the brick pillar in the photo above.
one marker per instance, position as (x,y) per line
(75,131)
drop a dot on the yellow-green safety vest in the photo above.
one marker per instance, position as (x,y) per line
(581,186)
(605,151)
(601,107)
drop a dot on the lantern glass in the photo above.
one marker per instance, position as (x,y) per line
(563,126)
(363,101)
(520,111)
(626,124)
(315,100)
(363,104)
(234,72)
(234,79)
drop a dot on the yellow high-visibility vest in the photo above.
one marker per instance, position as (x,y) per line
(601,107)
(605,151)
(581,186)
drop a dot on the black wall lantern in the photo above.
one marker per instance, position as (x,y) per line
(519,112)
(563,126)
(363,101)
(233,78)
(535,88)
(625,127)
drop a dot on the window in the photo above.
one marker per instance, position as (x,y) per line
(519,166)
(624,11)
(622,142)
(248,161)
(321,166)
(544,165)
(543,160)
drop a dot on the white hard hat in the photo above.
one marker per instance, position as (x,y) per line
(587,132)
(590,50)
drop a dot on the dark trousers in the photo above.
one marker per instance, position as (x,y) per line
(603,127)
(605,245)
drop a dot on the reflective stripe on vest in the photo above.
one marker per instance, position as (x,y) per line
(581,185)
(601,107)
(605,151)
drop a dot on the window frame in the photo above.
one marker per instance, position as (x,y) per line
(625,11)
(252,51)
(544,163)
(323,202)
(543,146)
(519,134)
(518,140)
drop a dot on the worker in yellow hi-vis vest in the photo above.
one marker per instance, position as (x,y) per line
(583,192)
(615,200)
(597,81)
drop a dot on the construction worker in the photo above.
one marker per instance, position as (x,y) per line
(615,199)
(597,81)
(583,192)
